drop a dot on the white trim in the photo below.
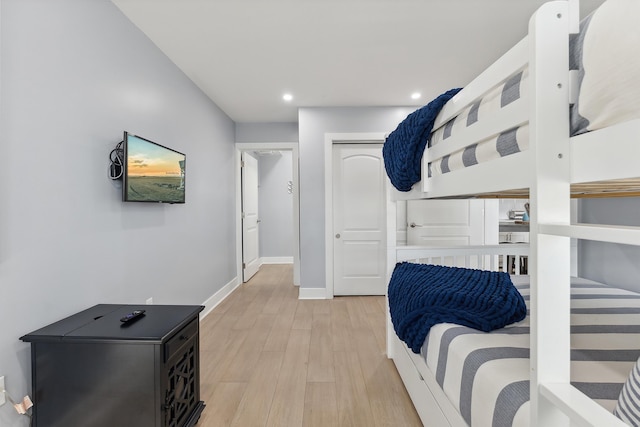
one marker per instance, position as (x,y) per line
(215,299)
(280,146)
(329,140)
(578,406)
(392,243)
(276,260)
(312,293)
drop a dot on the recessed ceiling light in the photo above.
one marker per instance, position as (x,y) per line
(287,97)
(416,95)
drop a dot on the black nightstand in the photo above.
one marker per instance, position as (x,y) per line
(92,370)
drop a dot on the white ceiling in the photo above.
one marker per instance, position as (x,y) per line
(245,54)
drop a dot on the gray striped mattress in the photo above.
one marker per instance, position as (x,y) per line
(507,94)
(486,375)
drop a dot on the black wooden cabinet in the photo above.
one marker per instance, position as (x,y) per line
(92,370)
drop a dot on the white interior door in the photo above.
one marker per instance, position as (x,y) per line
(359,220)
(250,221)
(452,223)
(445,222)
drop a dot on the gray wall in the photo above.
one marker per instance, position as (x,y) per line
(267,132)
(75,74)
(616,265)
(275,204)
(313,124)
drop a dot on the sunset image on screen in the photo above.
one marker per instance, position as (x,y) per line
(146,159)
(154,173)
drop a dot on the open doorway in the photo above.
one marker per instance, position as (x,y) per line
(266,151)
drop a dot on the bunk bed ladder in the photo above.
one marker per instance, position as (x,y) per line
(554,401)
(549,195)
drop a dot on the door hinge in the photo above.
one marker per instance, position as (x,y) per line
(242,163)
(244,265)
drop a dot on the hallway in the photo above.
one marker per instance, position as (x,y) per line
(269,359)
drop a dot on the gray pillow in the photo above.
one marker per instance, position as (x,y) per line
(628,406)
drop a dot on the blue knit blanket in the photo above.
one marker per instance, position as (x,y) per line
(422,295)
(402,151)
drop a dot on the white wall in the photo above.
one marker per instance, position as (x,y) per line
(275,204)
(313,123)
(74,75)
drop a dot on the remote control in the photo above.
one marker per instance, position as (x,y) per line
(133,315)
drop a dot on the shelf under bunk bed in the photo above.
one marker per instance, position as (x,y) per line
(548,167)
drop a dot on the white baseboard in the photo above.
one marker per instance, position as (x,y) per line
(277,260)
(312,293)
(215,299)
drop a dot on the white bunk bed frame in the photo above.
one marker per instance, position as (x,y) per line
(553,162)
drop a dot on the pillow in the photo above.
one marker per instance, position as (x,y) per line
(628,406)
(606,55)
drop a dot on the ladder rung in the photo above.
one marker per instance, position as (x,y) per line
(604,233)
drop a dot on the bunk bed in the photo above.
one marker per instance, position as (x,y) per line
(558,154)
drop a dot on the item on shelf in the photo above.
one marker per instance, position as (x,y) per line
(513,214)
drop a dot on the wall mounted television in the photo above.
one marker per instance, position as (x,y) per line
(152,172)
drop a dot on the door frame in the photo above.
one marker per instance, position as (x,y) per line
(275,146)
(329,140)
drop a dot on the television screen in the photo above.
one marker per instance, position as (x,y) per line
(152,172)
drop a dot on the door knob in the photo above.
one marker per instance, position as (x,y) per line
(412,225)
(338,236)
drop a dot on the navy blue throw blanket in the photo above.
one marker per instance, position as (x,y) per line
(404,146)
(422,295)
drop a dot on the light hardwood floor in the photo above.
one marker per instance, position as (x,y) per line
(269,359)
